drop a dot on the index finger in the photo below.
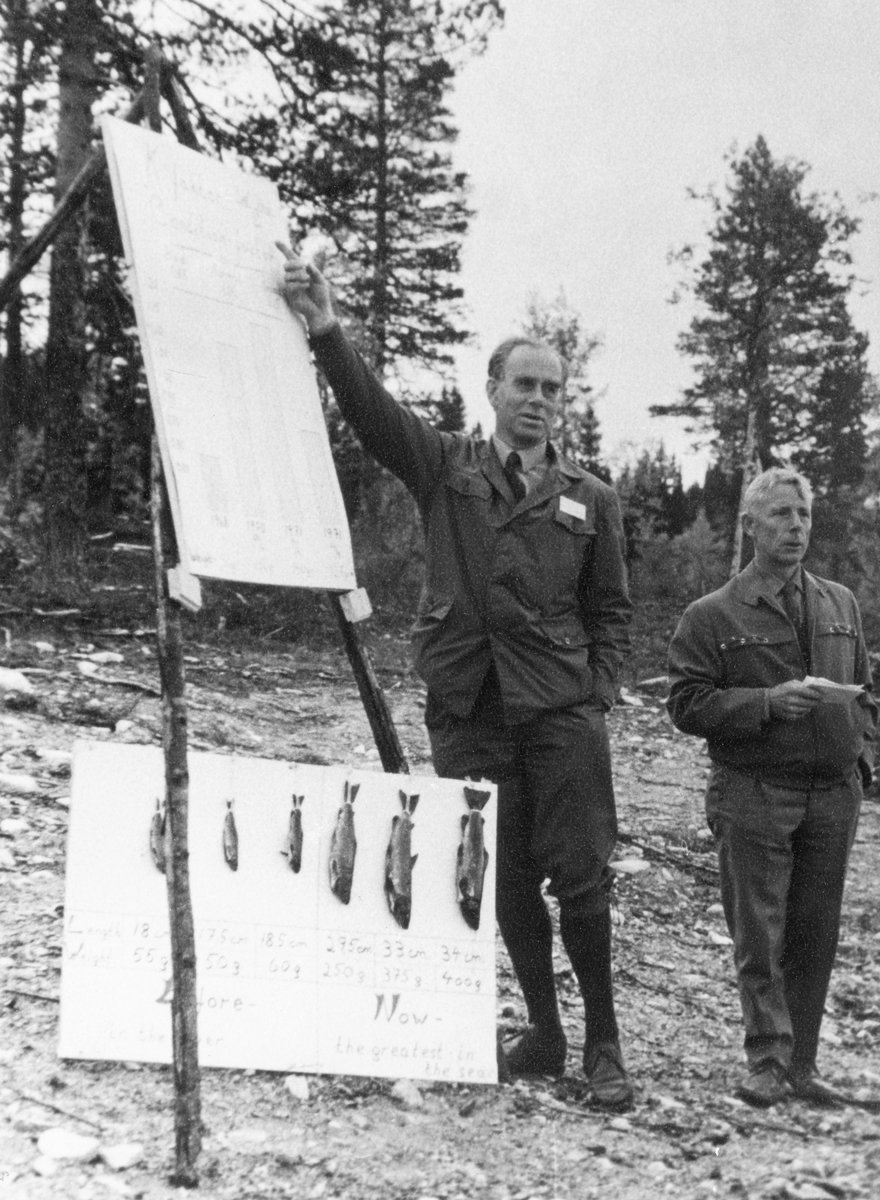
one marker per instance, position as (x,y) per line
(286,251)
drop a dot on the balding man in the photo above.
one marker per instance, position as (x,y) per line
(789,760)
(520,633)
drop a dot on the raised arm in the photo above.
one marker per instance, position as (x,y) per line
(401,441)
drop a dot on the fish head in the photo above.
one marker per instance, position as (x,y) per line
(470,910)
(401,909)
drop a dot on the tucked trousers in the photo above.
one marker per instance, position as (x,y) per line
(783,853)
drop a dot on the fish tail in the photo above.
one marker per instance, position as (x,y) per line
(476,799)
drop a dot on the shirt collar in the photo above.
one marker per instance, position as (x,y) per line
(775,585)
(530,458)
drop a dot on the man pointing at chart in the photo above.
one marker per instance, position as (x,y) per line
(520,633)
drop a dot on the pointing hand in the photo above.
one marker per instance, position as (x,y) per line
(307,292)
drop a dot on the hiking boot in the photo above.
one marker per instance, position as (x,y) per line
(537,1052)
(807,1085)
(610,1086)
(765,1085)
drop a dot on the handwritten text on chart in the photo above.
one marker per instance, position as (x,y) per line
(288,976)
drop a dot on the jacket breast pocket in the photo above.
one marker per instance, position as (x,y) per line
(760,659)
(834,646)
(579,526)
(466,484)
(573,538)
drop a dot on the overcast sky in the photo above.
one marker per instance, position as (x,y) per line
(585,123)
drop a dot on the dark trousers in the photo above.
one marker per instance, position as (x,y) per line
(783,853)
(556,821)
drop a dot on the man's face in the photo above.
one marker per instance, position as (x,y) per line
(527,397)
(780,529)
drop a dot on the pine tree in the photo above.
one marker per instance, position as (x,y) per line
(56,58)
(66,351)
(652,499)
(773,336)
(446,412)
(360,150)
(25,170)
(576,431)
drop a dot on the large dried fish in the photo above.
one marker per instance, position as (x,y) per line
(157,837)
(295,834)
(230,838)
(399,863)
(343,846)
(473,858)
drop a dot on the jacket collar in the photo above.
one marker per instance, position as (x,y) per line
(560,475)
(530,459)
(752,586)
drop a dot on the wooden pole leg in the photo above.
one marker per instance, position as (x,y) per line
(185,1043)
(372,697)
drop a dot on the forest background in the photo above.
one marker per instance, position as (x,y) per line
(345,105)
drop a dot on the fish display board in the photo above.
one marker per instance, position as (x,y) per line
(399,980)
(251,481)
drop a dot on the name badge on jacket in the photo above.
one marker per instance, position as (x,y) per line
(573,507)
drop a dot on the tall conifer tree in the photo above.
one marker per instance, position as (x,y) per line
(773,334)
(576,431)
(362,152)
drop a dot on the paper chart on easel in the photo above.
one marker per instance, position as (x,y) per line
(251,481)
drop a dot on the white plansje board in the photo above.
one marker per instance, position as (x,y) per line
(288,977)
(250,476)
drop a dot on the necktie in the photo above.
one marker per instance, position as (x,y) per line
(792,602)
(512,469)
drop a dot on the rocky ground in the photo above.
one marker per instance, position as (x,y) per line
(268,1135)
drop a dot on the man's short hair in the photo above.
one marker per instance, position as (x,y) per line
(761,486)
(499,356)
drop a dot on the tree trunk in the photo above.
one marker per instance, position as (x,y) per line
(66,361)
(380,275)
(12,383)
(751,466)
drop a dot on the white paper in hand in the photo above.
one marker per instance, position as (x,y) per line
(834,693)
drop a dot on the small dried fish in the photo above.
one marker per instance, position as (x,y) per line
(157,837)
(473,858)
(295,834)
(230,838)
(343,846)
(399,863)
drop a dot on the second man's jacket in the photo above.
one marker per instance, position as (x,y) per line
(734,644)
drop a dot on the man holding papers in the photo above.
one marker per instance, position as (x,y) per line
(753,669)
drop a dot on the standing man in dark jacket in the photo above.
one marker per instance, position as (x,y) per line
(520,633)
(789,760)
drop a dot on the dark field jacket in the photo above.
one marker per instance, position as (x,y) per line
(734,644)
(538,588)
